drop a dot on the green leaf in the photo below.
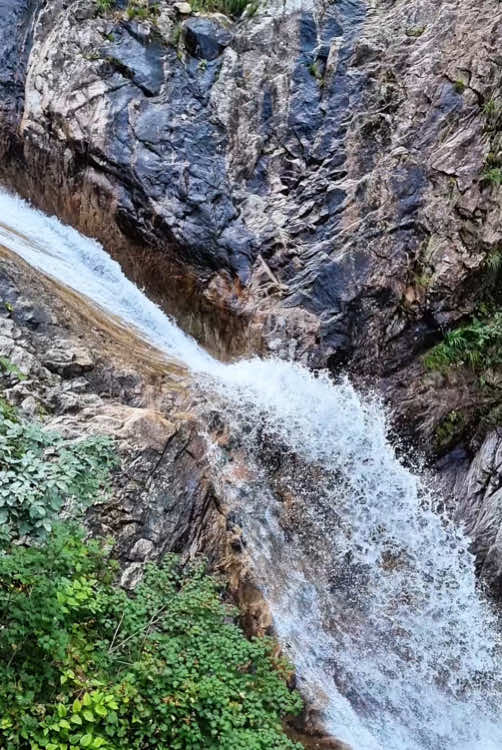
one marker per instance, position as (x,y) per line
(86,740)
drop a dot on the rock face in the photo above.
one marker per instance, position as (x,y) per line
(80,379)
(307,180)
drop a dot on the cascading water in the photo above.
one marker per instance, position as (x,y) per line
(373,594)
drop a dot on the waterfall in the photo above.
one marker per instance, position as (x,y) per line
(373,593)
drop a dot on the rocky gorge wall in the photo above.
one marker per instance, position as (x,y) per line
(306,181)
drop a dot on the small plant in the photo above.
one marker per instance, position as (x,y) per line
(493,159)
(494,176)
(477,345)
(493,262)
(202,66)
(176,35)
(9,368)
(415,31)
(105,5)
(492,110)
(142,11)
(450,428)
(7,411)
(230,8)
(41,473)
(83,665)
(423,280)
(315,71)
(459,86)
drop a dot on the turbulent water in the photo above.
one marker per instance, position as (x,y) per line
(373,595)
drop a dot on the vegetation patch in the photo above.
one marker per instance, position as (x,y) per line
(415,31)
(142,11)
(231,8)
(477,345)
(494,176)
(450,429)
(84,665)
(104,6)
(9,368)
(41,474)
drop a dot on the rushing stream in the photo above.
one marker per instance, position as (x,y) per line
(373,595)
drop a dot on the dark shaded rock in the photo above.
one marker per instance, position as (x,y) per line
(135,57)
(205,39)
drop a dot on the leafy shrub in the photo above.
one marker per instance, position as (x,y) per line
(40,473)
(478,345)
(82,665)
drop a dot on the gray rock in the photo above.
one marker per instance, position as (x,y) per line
(184,8)
(68,359)
(29,406)
(141,550)
(205,39)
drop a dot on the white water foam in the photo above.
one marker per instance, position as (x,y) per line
(373,595)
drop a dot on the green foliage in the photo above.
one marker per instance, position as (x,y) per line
(493,175)
(449,429)
(7,411)
(477,345)
(315,71)
(424,279)
(142,11)
(493,262)
(105,5)
(83,665)
(231,8)
(415,31)
(493,159)
(459,86)
(40,473)
(492,110)
(9,368)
